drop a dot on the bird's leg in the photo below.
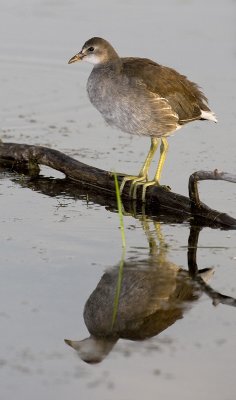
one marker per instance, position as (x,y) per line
(163,153)
(142,177)
(143,174)
(157,177)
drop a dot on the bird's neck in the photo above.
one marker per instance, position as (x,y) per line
(114,64)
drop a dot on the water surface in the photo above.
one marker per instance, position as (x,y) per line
(55,248)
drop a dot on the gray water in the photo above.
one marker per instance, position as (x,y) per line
(56,248)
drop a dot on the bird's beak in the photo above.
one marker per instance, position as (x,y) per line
(77,57)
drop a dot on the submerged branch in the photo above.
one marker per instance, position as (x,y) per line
(157,198)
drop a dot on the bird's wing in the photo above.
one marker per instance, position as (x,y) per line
(184,97)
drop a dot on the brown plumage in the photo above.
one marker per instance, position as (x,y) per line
(184,97)
(141,97)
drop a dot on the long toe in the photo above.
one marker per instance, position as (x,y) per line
(140,180)
(145,186)
(127,179)
(135,184)
(152,183)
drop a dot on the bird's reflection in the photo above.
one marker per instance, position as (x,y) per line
(154,294)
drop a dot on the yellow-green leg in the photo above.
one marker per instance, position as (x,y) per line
(143,174)
(157,177)
(163,150)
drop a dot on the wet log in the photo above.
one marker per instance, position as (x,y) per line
(158,198)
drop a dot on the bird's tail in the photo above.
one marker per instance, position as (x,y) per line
(209,115)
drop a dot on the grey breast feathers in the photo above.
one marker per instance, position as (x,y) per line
(125,102)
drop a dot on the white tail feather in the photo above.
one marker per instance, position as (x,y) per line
(209,115)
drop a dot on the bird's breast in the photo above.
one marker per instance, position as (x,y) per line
(125,103)
(104,94)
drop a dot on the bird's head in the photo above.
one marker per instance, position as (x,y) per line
(95,51)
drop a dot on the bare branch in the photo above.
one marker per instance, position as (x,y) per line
(203,176)
(158,199)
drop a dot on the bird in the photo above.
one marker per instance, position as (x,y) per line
(141,97)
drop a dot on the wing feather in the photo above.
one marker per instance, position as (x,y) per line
(184,97)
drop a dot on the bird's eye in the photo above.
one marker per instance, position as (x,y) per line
(91,49)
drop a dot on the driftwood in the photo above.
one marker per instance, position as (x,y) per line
(158,199)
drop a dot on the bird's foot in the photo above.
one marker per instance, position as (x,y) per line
(136,182)
(134,179)
(140,180)
(145,185)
